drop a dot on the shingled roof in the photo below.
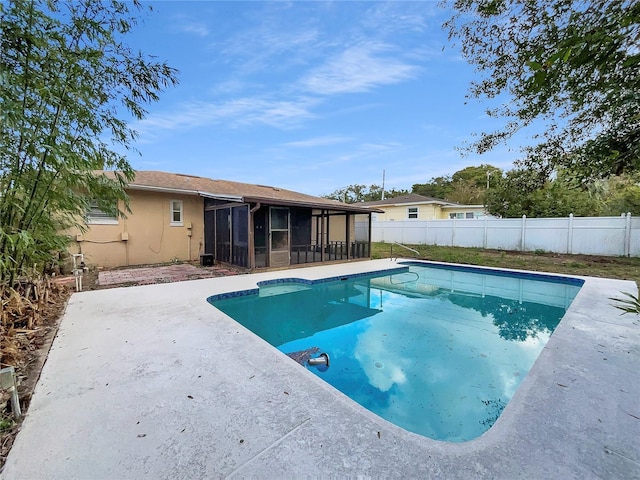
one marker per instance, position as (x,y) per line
(233,191)
(409,198)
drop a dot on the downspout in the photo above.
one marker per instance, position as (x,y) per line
(252,253)
(126,244)
(369,239)
(348,235)
(322,244)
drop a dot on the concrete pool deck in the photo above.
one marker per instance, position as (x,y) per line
(154,382)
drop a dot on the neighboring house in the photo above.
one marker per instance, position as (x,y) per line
(177,217)
(419,207)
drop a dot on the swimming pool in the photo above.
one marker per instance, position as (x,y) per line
(437,350)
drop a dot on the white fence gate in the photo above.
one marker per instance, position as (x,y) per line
(613,236)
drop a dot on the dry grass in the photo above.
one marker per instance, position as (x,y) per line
(624,268)
(29,316)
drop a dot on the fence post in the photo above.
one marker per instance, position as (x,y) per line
(523,233)
(570,234)
(453,234)
(426,232)
(484,238)
(627,235)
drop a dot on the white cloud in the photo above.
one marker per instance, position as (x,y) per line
(318,141)
(270,47)
(272,52)
(392,17)
(196,28)
(229,87)
(242,111)
(360,68)
(192,27)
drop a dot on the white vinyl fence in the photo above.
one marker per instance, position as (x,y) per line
(613,236)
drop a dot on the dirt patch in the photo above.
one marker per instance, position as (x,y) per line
(25,346)
(154,274)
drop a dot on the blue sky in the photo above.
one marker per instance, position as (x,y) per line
(310,96)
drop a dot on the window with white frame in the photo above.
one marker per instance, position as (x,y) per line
(469,215)
(456,215)
(176,213)
(97,216)
(412,212)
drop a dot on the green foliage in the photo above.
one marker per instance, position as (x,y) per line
(466,192)
(466,186)
(631,304)
(527,192)
(437,187)
(573,65)
(362,193)
(619,195)
(64,76)
(6,424)
(478,176)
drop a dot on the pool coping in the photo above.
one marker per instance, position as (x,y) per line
(153,382)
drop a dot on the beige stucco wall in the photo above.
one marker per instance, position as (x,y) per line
(337,228)
(151,237)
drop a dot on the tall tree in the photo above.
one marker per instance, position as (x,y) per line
(573,65)
(66,77)
(394,192)
(478,176)
(361,193)
(620,194)
(526,192)
(467,192)
(464,186)
(437,187)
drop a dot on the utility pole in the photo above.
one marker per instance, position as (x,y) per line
(382,185)
(489,172)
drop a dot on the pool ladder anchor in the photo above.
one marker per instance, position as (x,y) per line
(321,362)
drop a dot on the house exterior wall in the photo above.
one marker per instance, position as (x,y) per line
(399,213)
(477,211)
(147,235)
(428,211)
(338,228)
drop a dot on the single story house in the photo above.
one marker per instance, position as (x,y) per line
(418,207)
(176,217)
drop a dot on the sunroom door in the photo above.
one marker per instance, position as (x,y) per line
(279,237)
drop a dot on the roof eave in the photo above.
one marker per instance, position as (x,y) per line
(423,202)
(218,196)
(256,199)
(151,188)
(301,203)
(457,205)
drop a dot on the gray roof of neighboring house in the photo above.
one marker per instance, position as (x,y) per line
(409,198)
(233,191)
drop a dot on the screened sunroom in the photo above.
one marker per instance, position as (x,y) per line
(267,233)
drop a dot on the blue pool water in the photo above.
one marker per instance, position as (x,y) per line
(437,351)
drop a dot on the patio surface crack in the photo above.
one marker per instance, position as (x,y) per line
(268,447)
